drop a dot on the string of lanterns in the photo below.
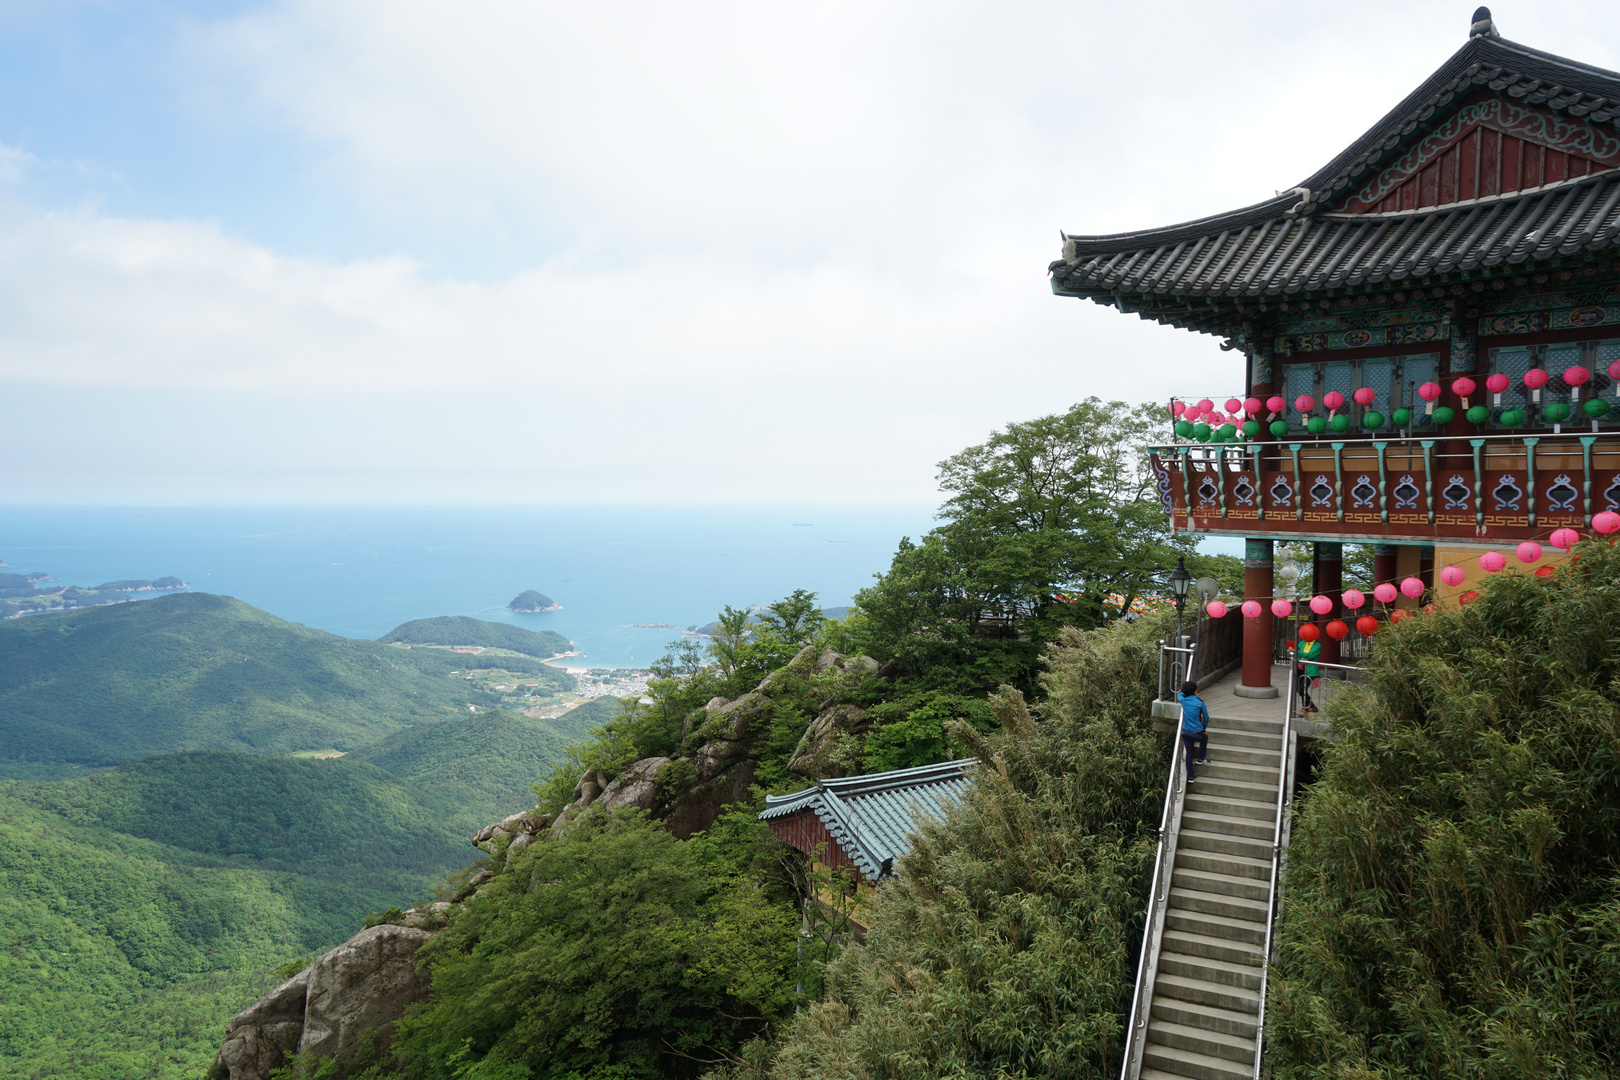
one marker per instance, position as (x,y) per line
(1492,562)
(1240,419)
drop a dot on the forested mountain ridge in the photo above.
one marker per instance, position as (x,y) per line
(197,671)
(465,630)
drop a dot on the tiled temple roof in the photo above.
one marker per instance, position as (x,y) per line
(1293,242)
(869,816)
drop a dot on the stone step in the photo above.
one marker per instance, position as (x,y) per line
(1197,1070)
(1240,723)
(1196,840)
(1215,926)
(1230,907)
(1215,804)
(1221,863)
(1201,948)
(1229,825)
(1206,1006)
(1213,881)
(1209,969)
(1246,755)
(1221,766)
(1255,739)
(1184,1040)
(1235,789)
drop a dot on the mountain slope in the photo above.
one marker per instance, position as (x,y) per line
(487,762)
(464,630)
(196,671)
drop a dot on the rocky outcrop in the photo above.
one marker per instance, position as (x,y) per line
(265,1034)
(361,987)
(516,830)
(329,1009)
(816,756)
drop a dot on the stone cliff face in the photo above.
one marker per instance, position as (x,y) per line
(362,986)
(365,984)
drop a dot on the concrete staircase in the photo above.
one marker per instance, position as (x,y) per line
(1203,1018)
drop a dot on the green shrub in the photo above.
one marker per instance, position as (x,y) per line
(1452,902)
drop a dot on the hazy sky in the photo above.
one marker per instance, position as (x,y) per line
(381,250)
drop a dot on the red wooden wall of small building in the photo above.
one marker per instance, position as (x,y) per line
(805,832)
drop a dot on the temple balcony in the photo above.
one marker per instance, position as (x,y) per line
(1416,488)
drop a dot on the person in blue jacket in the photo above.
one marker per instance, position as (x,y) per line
(1194,719)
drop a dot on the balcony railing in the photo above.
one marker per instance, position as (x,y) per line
(1483,487)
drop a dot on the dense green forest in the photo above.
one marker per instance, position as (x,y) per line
(141,906)
(465,630)
(530,600)
(194,671)
(487,762)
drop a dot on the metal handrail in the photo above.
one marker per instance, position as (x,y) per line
(1131,1066)
(1285,804)
(1393,438)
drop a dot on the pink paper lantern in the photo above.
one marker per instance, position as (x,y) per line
(1365,396)
(1498,383)
(1177,408)
(1606,522)
(1429,391)
(1353,599)
(1216,609)
(1233,405)
(1206,405)
(1321,605)
(1564,539)
(1385,593)
(1614,370)
(1463,387)
(1528,552)
(1575,376)
(1276,404)
(1304,403)
(1412,587)
(1332,400)
(1535,378)
(1492,562)
(1452,575)
(1252,406)
(1282,608)
(1251,609)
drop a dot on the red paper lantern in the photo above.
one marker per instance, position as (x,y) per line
(1308,632)
(1468,598)
(1545,571)
(1397,615)
(1337,630)
(1367,626)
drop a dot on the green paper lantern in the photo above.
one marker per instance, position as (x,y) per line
(1251,429)
(1402,417)
(1201,432)
(1340,423)
(1316,425)
(1228,432)
(1184,430)
(1372,420)
(1445,414)
(1557,412)
(1478,414)
(1595,408)
(1512,417)
(1279,428)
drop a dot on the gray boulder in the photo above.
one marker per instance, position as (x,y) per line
(360,987)
(637,786)
(813,756)
(264,1035)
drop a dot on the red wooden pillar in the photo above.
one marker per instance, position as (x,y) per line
(1258,586)
(1328,570)
(1384,566)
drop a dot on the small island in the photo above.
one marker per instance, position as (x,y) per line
(529,600)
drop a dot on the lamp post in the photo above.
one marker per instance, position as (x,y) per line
(1179,581)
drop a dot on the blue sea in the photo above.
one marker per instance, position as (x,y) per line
(359,572)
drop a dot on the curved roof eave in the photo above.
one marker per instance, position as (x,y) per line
(1378,142)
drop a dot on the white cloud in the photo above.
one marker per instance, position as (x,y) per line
(799,251)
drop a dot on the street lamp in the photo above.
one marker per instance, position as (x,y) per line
(1179,581)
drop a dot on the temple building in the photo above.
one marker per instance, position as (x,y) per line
(1422,336)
